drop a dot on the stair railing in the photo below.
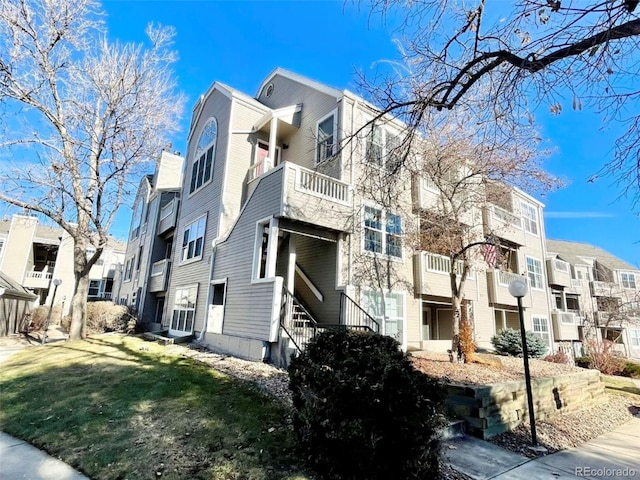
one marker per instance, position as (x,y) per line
(354,316)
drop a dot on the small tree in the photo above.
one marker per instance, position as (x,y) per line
(363,411)
(82,116)
(509,342)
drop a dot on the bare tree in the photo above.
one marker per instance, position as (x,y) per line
(504,60)
(81,116)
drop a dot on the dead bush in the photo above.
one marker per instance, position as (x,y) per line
(602,357)
(106,317)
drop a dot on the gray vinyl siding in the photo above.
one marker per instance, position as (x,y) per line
(205,201)
(241,154)
(315,105)
(317,259)
(248,306)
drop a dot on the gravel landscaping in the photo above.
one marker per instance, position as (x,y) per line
(558,433)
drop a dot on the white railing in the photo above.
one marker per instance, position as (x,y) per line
(106,295)
(442,264)
(158,268)
(576,283)
(505,278)
(39,275)
(259,168)
(506,216)
(322,185)
(567,318)
(429,184)
(561,265)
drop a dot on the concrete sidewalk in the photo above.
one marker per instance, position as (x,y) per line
(19,460)
(612,455)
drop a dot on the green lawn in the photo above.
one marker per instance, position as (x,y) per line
(117,407)
(620,384)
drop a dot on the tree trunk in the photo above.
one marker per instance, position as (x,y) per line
(79,301)
(456,352)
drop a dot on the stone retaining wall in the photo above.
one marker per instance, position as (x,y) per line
(492,409)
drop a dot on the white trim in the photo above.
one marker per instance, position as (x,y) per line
(523,218)
(257,250)
(336,140)
(278,113)
(195,157)
(383,253)
(225,169)
(209,327)
(181,240)
(549,331)
(195,308)
(310,284)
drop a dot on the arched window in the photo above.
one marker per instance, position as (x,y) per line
(204,157)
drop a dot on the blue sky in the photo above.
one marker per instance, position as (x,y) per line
(240,43)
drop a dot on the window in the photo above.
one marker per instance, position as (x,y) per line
(383,148)
(204,157)
(390,313)
(135,221)
(261,250)
(94,288)
(530,218)
(128,269)
(1,246)
(534,272)
(376,240)
(139,258)
(326,138)
(634,336)
(193,239)
(628,280)
(184,309)
(541,329)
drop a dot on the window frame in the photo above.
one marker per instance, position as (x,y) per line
(383,231)
(97,289)
(317,160)
(261,257)
(194,258)
(527,221)
(401,297)
(623,281)
(386,133)
(540,333)
(186,308)
(529,273)
(200,155)
(634,334)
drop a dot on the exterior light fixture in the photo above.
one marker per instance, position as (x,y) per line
(518,289)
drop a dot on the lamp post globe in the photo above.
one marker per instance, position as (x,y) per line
(518,288)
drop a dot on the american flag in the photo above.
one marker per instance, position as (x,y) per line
(490,254)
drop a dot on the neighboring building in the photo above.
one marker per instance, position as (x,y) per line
(15,304)
(35,254)
(595,294)
(280,232)
(147,265)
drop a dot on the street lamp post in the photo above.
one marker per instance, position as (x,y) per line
(56,283)
(518,289)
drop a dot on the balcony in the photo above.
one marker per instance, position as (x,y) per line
(502,223)
(605,289)
(498,282)
(168,216)
(431,273)
(159,278)
(559,272)
(565,325)
(425,194)
(37,279)
(304,195)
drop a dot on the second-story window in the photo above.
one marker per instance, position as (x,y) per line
(534,272)
(382,232)
(383,148)
(204,158)
(628,280)
(193,239)
(326,138)
(137,217)
(529,218)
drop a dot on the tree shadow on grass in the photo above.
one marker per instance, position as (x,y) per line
(114,410)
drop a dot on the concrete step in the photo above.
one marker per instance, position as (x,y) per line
(455,429)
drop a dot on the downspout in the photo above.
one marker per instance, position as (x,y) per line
(354,106)
(206,313)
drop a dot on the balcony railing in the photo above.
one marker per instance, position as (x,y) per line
(441,264)
(39,275)
(505,278)
(259,168)
(322,185)
(506,216)
(561,265)
(168,215)
(159,277)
